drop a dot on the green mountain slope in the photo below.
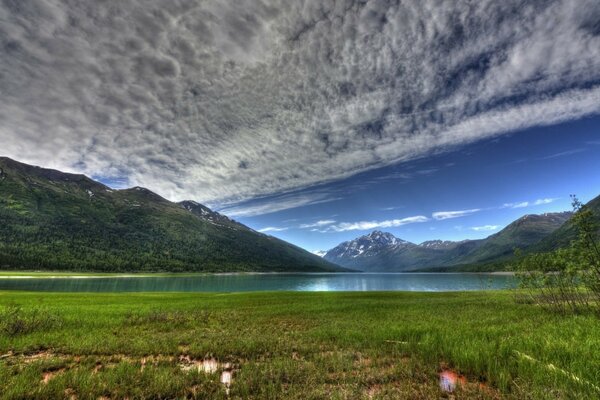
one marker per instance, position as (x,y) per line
(522,234)
(53,220)
(563,236)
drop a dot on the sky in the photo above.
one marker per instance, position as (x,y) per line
(314,121)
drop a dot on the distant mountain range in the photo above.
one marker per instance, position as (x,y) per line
(57,221)
(383,252)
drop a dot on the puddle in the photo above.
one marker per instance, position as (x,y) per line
(185,362)
(208,366)
(450,380)
(226,377)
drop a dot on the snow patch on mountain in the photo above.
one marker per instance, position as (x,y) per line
(367,245)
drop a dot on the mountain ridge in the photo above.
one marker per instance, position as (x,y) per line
(62,221)
(524,232)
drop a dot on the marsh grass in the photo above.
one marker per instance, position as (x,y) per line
(166,317)
(298,346)
(16,320)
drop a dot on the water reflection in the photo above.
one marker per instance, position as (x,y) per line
(449,380)
(267,282)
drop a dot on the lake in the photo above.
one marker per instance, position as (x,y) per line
(311,282)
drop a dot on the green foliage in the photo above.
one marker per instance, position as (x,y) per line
(56,221)
(567,279)
(16,320)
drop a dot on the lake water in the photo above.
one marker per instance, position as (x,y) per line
(355,282)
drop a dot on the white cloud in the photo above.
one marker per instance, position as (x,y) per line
(522,204)
(485,228)
(272,229)
(441,215)
(223,101)
(278,203)
(319,253)
(539,202)
(391,208)
(318,224)
(563,154)
(368,225)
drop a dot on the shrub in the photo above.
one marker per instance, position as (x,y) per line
(566,280)
(16,320)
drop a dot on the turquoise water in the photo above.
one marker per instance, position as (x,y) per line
(355,282)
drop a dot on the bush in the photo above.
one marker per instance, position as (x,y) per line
(566,280)
(15,320)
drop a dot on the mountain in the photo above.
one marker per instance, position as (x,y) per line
(567,232)
(367,246)
(379,251)
(369,252)
(60,221)
(522,233)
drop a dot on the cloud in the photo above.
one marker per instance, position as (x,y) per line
(563,154)
(441,215)
(272,229)
(278,203)
(319,253)
(224,102)
(544,201)
(485,228)
(369,225)
(522,204)
(318,224)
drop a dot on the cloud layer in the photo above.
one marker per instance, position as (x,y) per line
(223,101)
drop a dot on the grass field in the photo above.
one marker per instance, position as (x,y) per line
(293,346)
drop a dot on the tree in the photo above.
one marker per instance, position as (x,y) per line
(567,279)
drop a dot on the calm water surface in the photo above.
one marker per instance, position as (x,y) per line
(356,282)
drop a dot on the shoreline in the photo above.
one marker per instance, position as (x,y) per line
(98,275)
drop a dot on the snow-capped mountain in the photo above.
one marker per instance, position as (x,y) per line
(440,244)
(380,251)
(366,245)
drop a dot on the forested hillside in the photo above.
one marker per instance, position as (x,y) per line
(53,220)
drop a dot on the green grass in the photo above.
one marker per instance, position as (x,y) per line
(293,346)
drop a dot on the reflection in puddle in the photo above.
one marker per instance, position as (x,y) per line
(449,380)
(208,366)
(226,378)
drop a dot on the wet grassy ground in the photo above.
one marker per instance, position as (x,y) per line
(293,346)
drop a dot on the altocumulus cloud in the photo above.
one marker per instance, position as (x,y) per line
(224,101)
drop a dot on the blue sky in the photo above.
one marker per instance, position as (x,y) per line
(531,171)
